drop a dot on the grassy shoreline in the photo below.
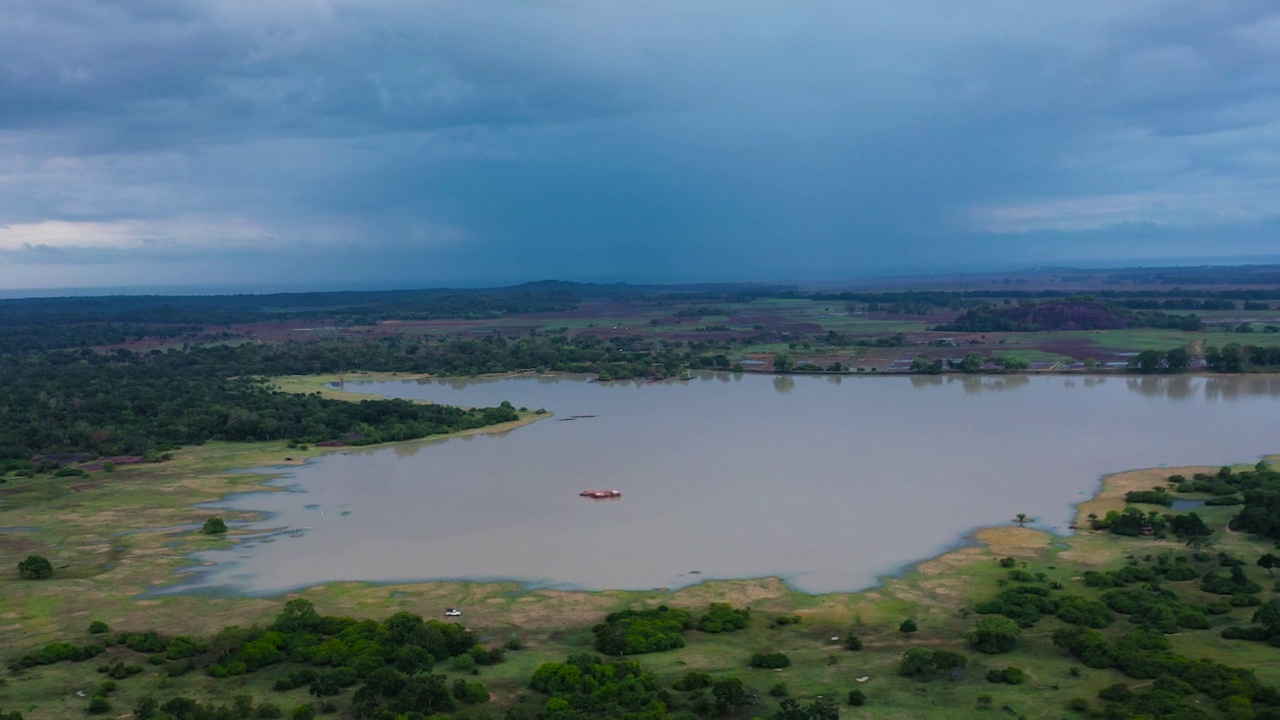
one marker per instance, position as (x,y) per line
(553,623)
(113,536)
(212,472)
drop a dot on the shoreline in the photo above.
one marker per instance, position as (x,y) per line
(156,553)
(1011,539)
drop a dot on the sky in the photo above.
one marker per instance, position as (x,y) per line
(314,143)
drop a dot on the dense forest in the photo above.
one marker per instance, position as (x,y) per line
(127,403)
(1078,314)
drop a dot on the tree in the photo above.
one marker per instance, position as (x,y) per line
(35,567)
(1147,361)
(971,363)
(922,364)
(908,626)
(994,634)
(1268,616)
(782,363)
(1177,360)
(1268,561)
(1022,519)
(214,526)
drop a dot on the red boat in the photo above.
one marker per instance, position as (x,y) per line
(601,494)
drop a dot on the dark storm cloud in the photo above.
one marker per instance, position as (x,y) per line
(454,141)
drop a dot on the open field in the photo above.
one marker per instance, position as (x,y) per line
(815,331)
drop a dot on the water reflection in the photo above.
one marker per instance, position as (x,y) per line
(974,384)
(1174,387)
(1177,387)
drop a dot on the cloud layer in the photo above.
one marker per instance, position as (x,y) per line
(321,141)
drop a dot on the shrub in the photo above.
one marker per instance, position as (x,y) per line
(487,656)
(693,681)
(857,698)
(1010,675)
(632,632)
(513,643)
(214,526)
(105,688)
(852,642)
(994,635)
(779,690)
(98,705)
(463,663)
(908,626)
(1193,620)
(722,617)
(97,627)
(35,567)
(922,664)
(1078,611)
(770,661)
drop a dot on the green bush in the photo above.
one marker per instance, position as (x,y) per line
(857,698)
(1010,676)
(722,617)
(693,681)
(214,526)
(770,661)
(97,627)
(922,664)
(994,635)
(35,567)
(632,632)
(462,663)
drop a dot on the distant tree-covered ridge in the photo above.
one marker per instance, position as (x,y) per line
(127,403)
(1072,314)
(50,323)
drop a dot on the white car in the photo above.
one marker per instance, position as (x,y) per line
(452,612)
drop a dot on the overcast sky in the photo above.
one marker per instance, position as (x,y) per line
(383,142)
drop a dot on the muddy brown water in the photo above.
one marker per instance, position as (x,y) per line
(828,483)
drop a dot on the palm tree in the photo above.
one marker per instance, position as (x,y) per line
(1022,519)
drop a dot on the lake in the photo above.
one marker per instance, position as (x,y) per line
(826,482)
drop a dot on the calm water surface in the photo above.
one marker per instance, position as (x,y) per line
(826,482)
